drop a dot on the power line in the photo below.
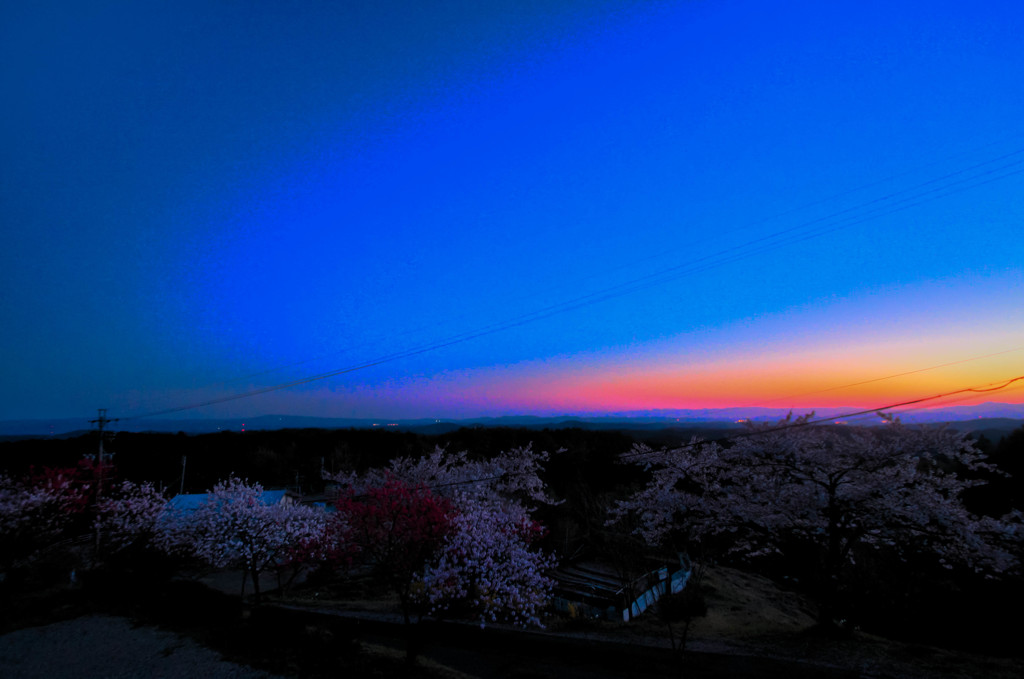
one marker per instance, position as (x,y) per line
(982,389)
(1008,141)
(811,229)
(887,377)
(1014,139)
(725,439)
(945,403)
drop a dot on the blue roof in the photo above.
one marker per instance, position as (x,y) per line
(190,502)
(186,502)
(273,497)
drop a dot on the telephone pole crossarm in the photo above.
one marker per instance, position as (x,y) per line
(101,422)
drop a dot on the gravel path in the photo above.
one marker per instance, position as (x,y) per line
(106,647)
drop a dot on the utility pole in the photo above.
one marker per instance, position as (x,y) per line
(184,459)
(101,421)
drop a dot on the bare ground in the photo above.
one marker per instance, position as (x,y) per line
(750,617)
(107,646)
(752,629)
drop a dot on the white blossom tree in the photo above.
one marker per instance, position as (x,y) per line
(513,475)
(128,514)
(234,528)
(835,489)
(487,567)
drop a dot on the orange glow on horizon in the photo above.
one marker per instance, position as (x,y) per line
(792,384)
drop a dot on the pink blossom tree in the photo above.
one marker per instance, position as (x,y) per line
(397,529)
(481,557)
(34,511)
(838,490)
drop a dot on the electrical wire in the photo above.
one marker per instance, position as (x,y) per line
(986,388)
(882,379)
(982,389)
(664,252)
(811,229)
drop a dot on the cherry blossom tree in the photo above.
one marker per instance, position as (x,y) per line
(513,474)
(837,490)
(470,546)
(234,528)
(129,514)
(486,566)
(35,510)
(398,529)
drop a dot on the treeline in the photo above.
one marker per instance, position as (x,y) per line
(296,457)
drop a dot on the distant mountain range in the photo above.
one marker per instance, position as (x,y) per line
(973,417)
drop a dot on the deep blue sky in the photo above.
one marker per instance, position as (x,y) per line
(194,193)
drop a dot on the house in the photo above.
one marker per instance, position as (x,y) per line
(189,502)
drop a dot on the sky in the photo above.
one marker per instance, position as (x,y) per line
(459,209)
